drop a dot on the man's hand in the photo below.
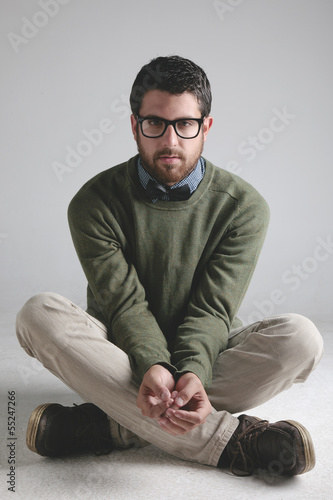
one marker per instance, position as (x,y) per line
(155,392)
(191,397)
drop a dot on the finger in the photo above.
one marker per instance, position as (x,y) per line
(147,397)
(159,390)
(165,395)
(178,426)
(185,419)
(187,392)
(157,410)
(171,427)
(150,408)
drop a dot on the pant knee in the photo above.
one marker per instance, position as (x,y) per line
(32,309)
(30,319)
(306,339)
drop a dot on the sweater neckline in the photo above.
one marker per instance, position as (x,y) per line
(168,205)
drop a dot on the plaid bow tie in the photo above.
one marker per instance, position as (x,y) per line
(155,190)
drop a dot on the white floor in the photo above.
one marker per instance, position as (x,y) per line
(149,473)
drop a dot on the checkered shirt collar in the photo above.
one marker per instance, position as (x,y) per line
(193,179)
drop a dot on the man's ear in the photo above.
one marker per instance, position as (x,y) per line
(208,122)
(134,127)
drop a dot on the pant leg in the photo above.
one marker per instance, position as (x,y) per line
(264,359)
(74,347)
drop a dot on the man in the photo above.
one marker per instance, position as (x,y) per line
(168,243)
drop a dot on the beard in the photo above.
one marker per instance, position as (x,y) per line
(169,174)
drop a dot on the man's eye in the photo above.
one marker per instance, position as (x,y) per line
(185,123)
(154,123)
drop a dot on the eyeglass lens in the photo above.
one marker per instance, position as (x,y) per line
(153,127)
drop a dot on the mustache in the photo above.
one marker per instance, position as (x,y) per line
(168,152)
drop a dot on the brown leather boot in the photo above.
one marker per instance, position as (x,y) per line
(55,430)
(283,448)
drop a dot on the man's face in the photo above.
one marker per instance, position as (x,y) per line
(170,158)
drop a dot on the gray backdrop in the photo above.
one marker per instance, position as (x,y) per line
(67,70)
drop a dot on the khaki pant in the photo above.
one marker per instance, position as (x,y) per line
(262,360)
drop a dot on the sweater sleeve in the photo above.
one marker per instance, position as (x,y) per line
(218,294)
(114,283)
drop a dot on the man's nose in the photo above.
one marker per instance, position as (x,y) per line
(170,138)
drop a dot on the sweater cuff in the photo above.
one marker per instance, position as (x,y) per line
(204,374)
(140,364)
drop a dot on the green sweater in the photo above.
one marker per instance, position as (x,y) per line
(167,278)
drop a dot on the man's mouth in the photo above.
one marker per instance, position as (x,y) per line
(169,158)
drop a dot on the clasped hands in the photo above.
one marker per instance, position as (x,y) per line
(178,407)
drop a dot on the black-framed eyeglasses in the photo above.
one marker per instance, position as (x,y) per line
(154,127)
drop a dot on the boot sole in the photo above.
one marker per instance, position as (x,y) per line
(33,425)
(309,452)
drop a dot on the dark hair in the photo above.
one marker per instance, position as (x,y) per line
(175,75)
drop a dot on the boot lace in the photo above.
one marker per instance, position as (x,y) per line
(244,452)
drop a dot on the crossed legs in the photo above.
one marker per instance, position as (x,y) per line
(261,361)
